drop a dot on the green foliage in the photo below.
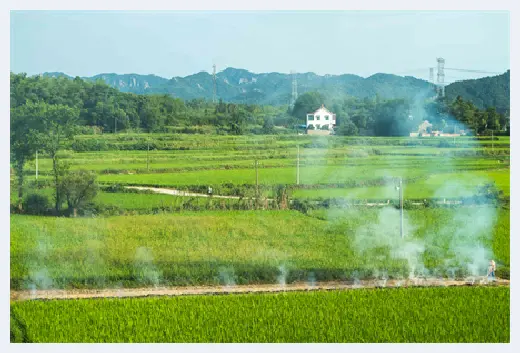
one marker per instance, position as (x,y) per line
(307,103)
(268,127)
(36,204)
(484,92)
(189,248)
(110,110)
(348,128)
(24,144)
(418,315)
(78,188)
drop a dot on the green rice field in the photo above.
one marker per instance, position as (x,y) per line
(416,315)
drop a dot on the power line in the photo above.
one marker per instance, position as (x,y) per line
(475,71)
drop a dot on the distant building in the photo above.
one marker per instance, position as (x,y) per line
(321,122)
(425,130)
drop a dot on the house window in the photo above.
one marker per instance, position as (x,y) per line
(310,117)
(326,117)
(317,117)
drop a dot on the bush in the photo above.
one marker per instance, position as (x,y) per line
(36,204)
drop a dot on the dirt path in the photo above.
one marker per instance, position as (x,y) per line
(178,192)
(262,288)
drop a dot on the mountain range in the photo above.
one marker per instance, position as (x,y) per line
(242,86)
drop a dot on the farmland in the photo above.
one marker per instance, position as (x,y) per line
(127,239)
(386,315)
(363,166)
(246,246)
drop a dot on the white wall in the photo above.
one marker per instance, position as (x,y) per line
(321,113)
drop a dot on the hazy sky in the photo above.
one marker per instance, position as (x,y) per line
(182,43)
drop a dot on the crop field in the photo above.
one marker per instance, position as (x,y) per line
(414,315)
(453,170)
(127,239)
(436,185)
(222,247)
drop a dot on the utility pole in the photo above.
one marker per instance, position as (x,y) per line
(147,155)
(256,171)
(298,165)
(440,77)
(115,124)
(492,142)
(400,188)
(401,202)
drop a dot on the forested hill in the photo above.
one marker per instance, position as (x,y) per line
(242,86)
(483,92)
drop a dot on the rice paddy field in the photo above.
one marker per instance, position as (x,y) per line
(155,240)
(246,247)
(415,315)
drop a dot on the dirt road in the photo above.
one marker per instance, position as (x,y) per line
(178,192)
(263,288)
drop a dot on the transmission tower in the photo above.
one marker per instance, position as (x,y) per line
(214,83)
(294,95)
(440,77)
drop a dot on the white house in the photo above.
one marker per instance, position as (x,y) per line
(321,119)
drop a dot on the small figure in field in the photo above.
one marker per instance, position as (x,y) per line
(210,190)
(491,270)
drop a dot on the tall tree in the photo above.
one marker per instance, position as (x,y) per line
(78,187)
(57,125)
(307,103)
(23,139)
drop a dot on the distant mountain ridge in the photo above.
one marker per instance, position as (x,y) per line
(242,86)
(493,91)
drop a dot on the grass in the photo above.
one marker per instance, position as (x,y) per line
(449,185)
(418,315)
(250,246)
(215,160)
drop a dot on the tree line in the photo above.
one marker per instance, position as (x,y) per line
(399,117)
(102,108)
(46,111)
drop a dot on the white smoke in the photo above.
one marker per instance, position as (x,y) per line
(383,237)
(282,277)
(227,276)
(311,280)
(39,275)
(145,270)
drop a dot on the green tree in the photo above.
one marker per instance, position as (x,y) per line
(348,128)
(307,103)
(57,125)
(79,188)
(268,127)
(493,119)
(23,139)
(237,123)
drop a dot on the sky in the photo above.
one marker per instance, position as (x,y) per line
(168,44)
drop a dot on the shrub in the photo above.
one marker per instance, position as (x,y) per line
(36,204)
